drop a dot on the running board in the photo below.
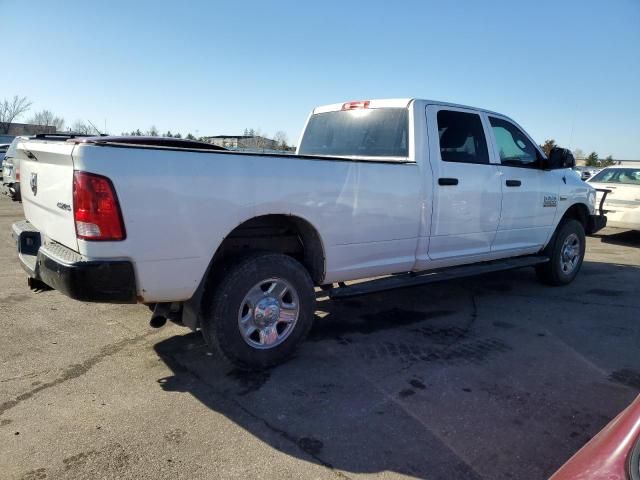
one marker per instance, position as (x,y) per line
(421,278)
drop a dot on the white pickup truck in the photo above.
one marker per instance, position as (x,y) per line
(233,243)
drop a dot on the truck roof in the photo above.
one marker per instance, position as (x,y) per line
(395,103)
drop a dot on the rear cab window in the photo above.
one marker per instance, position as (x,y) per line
(362,132)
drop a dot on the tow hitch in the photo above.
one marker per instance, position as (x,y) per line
(37,285)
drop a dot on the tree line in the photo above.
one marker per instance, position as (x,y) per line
(14,108)
(154,132)
(591,160)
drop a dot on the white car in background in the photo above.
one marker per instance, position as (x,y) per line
(622,203)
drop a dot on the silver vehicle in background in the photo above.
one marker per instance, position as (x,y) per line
(11,170)
(586,173)
(5,141)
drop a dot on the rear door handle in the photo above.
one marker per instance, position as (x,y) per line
(513,183)
(447,181)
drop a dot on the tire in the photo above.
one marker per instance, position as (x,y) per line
(268,294)
(566,254)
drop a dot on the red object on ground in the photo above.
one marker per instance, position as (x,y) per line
(607,456)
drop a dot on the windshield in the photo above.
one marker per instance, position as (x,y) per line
(630,176)
(381,132)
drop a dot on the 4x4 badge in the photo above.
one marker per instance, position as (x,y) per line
(34,183)
(550,201)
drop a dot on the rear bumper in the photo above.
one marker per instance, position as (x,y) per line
(106,281)
(596,223)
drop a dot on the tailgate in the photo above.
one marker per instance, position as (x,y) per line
(46,185)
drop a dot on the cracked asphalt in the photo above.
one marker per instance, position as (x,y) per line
(495,377)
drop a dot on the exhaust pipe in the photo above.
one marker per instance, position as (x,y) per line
(166,311)
(159,315)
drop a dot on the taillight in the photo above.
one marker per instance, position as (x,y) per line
(95,208)
(355,105)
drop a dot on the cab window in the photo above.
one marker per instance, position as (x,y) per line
(462,137)
(369,132)
(516,150)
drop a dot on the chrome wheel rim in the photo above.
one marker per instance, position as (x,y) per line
(268,313)
(570,254)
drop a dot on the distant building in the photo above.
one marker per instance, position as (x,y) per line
(581,162)
(239,142)
(628,163)
(29,129)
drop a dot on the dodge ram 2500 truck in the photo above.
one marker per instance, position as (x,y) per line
(235,243)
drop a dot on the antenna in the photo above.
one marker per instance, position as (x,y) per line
(95,128)
(573,123)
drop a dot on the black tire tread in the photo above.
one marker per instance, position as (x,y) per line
(217,309)
(549,273)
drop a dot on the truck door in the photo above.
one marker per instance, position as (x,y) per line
(529,193)
(466,185)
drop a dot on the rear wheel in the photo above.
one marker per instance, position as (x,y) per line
(566,254)
(260,310)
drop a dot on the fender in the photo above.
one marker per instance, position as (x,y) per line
(192,307)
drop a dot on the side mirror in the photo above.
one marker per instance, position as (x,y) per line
(560,158)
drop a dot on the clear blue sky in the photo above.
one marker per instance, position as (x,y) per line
(568,70)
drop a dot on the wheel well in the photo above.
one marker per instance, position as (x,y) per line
(284,234)
(579,212)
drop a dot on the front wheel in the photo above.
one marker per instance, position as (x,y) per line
(566,253)
(260,310)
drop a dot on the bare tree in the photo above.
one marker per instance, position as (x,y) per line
(281,139)
(47,118)
(12,109)
(153,131)
(83,128)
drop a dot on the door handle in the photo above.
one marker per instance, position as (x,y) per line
(513,183)
(447,181)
